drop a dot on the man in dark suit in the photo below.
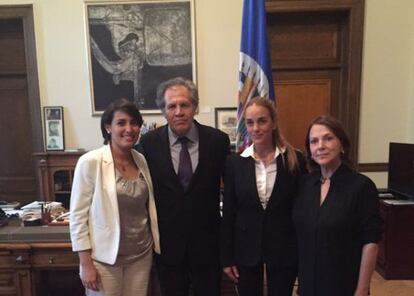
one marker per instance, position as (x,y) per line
(186,195)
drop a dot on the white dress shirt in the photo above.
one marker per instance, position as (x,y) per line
(265,176)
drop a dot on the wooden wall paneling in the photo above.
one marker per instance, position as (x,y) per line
(20,116)
(24,14)
(17,179)
(12,60)
(14,109)
(311,5)
(301,100)
(373,167)
(306,59)
(304,40)
(310,37)
(308,106)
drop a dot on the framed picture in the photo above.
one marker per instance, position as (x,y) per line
(226,121)
(54,132)
(136,45)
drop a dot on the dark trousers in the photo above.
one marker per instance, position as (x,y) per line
(189,278)
(280,280)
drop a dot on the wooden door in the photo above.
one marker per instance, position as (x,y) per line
(316,60)
(20,123)
(300,100)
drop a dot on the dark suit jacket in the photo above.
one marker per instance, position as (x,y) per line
(250,234)
(188,220)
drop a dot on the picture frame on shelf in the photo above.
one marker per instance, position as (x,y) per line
(133,46)
(54,129)
(226,121)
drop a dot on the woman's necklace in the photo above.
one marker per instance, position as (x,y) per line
(123,166)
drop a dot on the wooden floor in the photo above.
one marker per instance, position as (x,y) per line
(381,287)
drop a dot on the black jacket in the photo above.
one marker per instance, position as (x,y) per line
(188,220)
(250,234)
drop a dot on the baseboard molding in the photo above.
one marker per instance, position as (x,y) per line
(373,167)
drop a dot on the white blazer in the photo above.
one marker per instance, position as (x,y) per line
(94,214)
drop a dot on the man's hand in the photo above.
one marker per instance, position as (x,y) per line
(232,273)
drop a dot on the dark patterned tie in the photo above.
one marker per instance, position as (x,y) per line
(185,170)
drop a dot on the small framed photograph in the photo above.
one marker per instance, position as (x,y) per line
(226,121)
(54,132)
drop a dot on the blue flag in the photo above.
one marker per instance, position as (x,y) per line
(255,70)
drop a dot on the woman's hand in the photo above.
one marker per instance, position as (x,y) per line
(88,273)
(232,273)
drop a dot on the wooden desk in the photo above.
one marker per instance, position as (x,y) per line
(38,261)
(39,269)
(396,250)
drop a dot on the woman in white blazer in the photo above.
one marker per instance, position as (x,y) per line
(113,220)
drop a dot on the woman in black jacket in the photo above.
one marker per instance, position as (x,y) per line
(257,228)
(336,217)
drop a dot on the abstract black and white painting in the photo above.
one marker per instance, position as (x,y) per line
(136,45)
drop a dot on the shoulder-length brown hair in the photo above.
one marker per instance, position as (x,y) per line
(335,126)
(277,137)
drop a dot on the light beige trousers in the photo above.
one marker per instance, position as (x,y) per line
(130,279)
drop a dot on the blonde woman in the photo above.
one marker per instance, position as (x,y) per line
(257,227)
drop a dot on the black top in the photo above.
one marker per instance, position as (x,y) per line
(249,233)
(331,235)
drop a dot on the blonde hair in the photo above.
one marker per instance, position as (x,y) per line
(277,137)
